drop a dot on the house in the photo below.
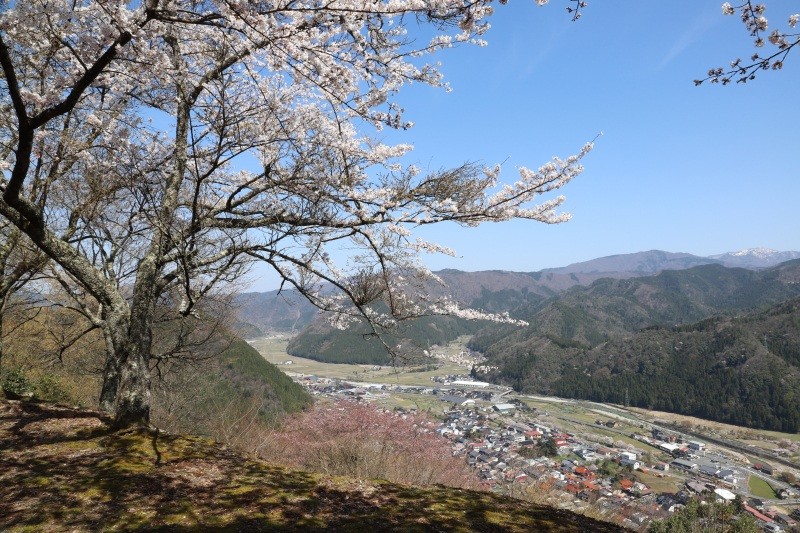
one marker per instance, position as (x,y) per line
(786,520)
(587,455)
(708,470)
(504,407)
(726,473)
(696,445)
(696,487)
(588,485)
(572,488)
(670,448)
(684,464)
(634,464)
(756,503)
(764,467)
(758,515)
(603,451)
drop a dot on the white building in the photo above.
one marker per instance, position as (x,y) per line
(630,456)
(633,463)
(465,383)
(725,495)
(668,447)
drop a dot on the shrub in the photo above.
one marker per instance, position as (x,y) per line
(51,389)
(16,383)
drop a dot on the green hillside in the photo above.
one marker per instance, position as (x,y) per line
(325,343)
(743,371)
(652,340)
(205,390)
(244,371)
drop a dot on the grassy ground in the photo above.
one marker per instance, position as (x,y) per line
(761,488)
(63,469)
(726,430)
(667,483)
(427,404)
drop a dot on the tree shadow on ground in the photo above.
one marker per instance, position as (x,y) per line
(63,469)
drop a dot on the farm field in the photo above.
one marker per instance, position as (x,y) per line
(273,349)
(761,488)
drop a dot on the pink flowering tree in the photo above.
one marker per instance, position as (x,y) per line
(153,149)
(361,440)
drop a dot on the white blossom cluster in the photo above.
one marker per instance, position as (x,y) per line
(754,19)
(197,137)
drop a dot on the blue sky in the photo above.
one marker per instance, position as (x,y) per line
(703,170)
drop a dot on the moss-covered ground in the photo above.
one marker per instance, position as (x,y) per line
(63,469)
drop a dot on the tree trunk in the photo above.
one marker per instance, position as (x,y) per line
(133,402)
(131,334)
(108,394)
(2,312)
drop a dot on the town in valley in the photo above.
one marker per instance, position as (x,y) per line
(625,462)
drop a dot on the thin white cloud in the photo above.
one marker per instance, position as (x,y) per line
(699,26)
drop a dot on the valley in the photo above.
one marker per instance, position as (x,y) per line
(665,332)
(619,461)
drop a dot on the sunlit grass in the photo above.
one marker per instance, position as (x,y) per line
(761,488)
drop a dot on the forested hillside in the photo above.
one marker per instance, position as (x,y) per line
(611,307)
(645,340)
(743,371)
(671,341)
(410,341)
(518,293)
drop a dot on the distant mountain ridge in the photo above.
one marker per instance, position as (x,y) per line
(755,258)
(640,263)
(595,335)
(498,290)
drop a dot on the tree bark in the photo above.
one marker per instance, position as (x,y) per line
(108,393)
(132,339)
(2,347)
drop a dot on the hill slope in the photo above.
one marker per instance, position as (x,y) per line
(221,377)
(62,470)
(609,308)
(743,371)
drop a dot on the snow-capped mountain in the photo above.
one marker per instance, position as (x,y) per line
(755,258)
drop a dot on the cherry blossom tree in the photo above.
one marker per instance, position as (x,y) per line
(155,148)
(772,47)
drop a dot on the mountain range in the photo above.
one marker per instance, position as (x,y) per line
(700,337)
(260,313)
